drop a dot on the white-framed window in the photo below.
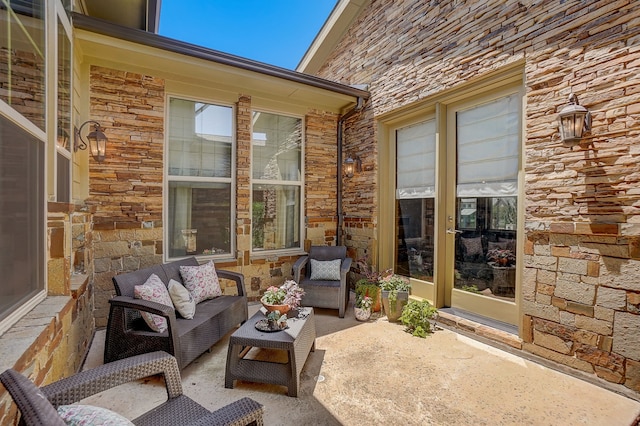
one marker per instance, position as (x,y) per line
(64,137)
(276,182)
(23,142)
(200,204)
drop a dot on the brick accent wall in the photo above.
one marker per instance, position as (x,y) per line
(360,192)
(321,178)
(580,292)
(243,180)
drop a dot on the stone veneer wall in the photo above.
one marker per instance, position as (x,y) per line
(582,264)
(360,196)
(320,178)
(51,341)
(126,189)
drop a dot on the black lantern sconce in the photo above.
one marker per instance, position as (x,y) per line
(573,120)
(97,141)
(352,166)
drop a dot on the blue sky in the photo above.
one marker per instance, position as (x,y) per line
(277,32)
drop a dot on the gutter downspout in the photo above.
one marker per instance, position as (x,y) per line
(357,108)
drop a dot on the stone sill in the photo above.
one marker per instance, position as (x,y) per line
(79,284)
(34,328)
(276,256)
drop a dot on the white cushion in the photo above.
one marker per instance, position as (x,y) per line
(201,281)
(154,290)
(326,270)
(82,415)
(182,299)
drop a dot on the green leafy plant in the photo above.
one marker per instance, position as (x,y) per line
(363,302)
(364,288)
(416,317)
(471,288)
(393,284)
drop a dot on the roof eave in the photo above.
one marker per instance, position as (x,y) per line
(160,42)
(334,28)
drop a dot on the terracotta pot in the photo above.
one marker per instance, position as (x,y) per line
(282,308)
(377,303)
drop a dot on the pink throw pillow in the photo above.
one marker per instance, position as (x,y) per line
(154,290)
(201,281)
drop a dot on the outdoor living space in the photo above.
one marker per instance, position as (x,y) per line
(375,373)
(485,151)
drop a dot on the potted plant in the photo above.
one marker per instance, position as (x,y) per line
(501,257)
(368,285)
(364,288)
(503,263)
(395,294)
(283,298)
(417,317)
(362,309)
(276,321)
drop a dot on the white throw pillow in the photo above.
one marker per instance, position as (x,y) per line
(182,299)
(154,290)
(82,415)
(326,270)
(201,281)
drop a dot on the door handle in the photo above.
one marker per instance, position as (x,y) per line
(453,231)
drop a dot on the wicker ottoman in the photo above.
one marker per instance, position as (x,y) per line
(297,340)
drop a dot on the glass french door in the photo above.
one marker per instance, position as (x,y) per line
(483,164)
(415,205)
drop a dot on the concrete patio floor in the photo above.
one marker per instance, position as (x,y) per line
(373,373)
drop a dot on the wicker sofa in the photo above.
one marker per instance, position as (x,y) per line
(38,405)
(127,334)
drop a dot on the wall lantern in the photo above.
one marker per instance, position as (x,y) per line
(97,141)
(574,120)
(352,165)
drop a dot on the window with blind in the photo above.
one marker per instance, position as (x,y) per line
(488,150)
(415,199)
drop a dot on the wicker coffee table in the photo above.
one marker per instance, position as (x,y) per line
(297,340)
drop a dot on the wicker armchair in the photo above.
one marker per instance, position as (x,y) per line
(38,405)
(331,294)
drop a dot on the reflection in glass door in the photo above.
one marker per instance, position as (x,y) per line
(487,150)
(415,202)
(486,246)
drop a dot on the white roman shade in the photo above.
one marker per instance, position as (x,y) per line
(416,154)
(488,138)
